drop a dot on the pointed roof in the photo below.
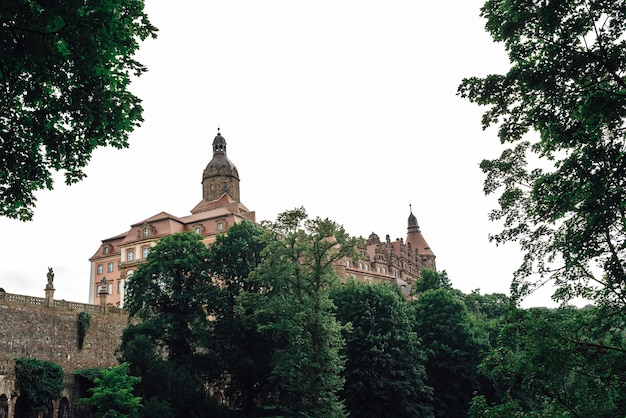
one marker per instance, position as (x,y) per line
(415,238)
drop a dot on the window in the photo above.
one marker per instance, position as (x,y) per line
(107,249)
(198,230)
(110,268)
(225,185)
(220,226)
(145,251)
(130,255)
(120,286)
(99,268)
(110,288)
(146,232)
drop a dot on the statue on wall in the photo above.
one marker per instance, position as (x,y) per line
(50,278)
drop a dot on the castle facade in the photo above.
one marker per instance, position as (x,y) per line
(399,262)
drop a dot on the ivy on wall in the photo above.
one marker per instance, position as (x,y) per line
(39,382)
(84,318)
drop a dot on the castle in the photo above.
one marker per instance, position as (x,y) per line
(48,329)
(399,262)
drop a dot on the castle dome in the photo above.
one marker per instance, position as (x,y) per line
(220,160)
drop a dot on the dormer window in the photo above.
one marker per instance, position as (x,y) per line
(220,226)
(106,250)
(146,232)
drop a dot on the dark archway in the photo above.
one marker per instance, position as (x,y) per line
(4,406)
(64,408)
(21,407)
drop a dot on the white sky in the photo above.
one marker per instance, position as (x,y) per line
(347,108)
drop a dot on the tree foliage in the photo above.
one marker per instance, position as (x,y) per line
(566,362)
(300,266)
(430,280)
(384,369)
(65,69)
(39,382)
(170,293)
(112,396)
(173,293)
(244,355)
(454,351)
(561,105)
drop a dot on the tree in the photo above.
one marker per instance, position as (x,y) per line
(430,280)
(244,353)
(112,395)
(454,351)
(384,369)
(65,68)
(564,362)
(307,366)
(563,104)
(173,294)
(170,293)
(39,383)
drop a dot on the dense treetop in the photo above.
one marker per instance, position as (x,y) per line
(65,68)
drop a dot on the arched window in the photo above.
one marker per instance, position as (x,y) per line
(130,255)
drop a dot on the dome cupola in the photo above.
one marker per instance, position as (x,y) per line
(220,175)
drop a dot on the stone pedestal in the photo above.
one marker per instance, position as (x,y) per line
(103,299)
(49,301)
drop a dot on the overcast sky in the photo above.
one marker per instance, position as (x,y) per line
(347,108)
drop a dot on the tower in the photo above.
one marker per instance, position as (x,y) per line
(417,244)
(220,175)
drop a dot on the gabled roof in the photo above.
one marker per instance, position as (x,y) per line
(158,217)
(224,201)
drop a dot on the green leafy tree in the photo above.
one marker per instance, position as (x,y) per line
(454,351)
(430,280)
(173,294)
(299,264)
(65,69)
(561,106)
(39,383)
(564,362)
(112,396)
(171,290)
(244,353)
(490,306)
(384,369)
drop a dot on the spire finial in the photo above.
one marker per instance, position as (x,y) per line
(218,129)
(410,207)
